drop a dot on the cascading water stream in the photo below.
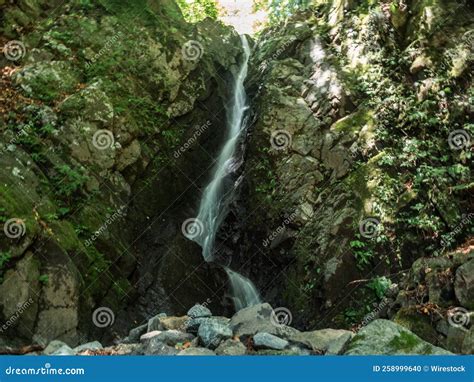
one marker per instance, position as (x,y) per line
(217,195)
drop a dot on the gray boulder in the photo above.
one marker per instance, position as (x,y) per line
(384,337)
(95,345)
(192,325)
(231,347)
(156,347)
(258,318)
(464,284)
(154,322)
(173,337)
(339,345)
(135,334)
(196,351)
(53,346)
(268,341)
(319,340)
(199,310)
(213,332)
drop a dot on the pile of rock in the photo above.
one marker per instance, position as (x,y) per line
(252,331)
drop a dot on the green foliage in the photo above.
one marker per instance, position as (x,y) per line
(281,9)
(379,285)
(4,259)
(197,10)
(68,181)
(362,253)
(43,279)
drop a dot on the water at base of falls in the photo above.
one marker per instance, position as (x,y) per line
(244,292)
(216,196)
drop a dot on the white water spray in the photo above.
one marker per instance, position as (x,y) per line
(216,196)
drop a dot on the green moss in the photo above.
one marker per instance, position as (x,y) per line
(404,343)
(417,323)
(353,122)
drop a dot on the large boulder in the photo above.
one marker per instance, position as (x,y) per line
(464,284)
(212,332)
(384,337)
(258,318)
(320,340)
(269,341)
(199,310)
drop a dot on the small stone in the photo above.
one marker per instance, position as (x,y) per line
(198,311)
(64,350)
(173,337)
(231,347)
(157,347)
(150,335)
(196,351)
(268,341)
(53,346)
(95,345)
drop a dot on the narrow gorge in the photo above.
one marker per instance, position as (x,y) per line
(170,185)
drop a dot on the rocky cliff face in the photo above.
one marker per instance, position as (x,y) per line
(111,114)
(359,156)
(355,189)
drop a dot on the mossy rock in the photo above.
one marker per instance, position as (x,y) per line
(384,337)
(419,324)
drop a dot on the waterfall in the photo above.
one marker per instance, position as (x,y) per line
(218,193)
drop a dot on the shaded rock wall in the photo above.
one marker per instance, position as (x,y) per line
(96,178)
(351,172)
